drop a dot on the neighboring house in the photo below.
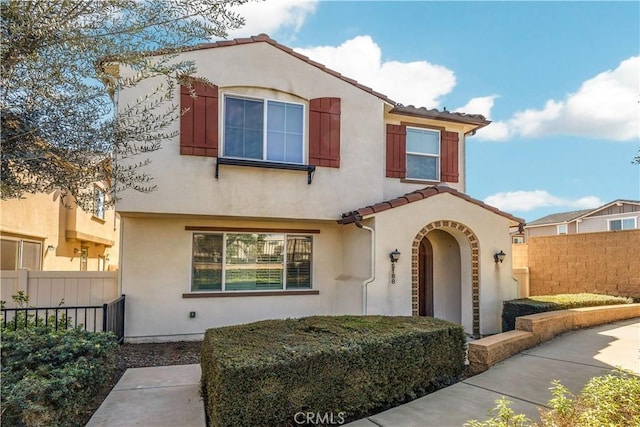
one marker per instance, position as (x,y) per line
(287,193)
(39,233)
(617,215)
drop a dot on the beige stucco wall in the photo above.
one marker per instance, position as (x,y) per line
(42,218)
(397,228)
(272,193)
(156,272)
(604,262)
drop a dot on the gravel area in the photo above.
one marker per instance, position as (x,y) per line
(145,355)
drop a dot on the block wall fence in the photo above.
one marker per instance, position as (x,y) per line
(603,262)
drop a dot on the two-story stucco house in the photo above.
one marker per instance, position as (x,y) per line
(287,193)
(43,232)
(617,215)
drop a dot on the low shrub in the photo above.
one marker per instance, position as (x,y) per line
(50,377)
(542,303)
(612,399)
(335,368)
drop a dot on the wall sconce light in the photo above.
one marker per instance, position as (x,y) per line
(499,256)
(394,256)
(51,248)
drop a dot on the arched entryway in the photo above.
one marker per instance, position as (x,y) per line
(445,274)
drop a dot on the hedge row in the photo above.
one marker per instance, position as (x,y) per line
(50,377)
(540,304)
(340,368)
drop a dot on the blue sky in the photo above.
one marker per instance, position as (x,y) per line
(559,80)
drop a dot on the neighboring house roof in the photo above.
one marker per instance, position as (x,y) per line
(559,218)
(359,214)
(564,217)
(476,120)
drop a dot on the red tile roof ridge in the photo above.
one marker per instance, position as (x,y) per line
(417,195)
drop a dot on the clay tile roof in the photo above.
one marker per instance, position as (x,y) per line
(359,214)
(409,110)
(472,119)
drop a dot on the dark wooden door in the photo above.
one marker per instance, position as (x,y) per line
(425,278)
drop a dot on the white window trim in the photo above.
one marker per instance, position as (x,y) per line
(566,229)
(305,109)
(224,260)
(20,250)
(438,156)
(635,223)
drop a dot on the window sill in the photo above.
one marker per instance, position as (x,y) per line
(310,169)
(98,219)
(221,294)
(419,181)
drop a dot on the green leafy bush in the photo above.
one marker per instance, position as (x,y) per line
(611,399)
(27,318)
(265,373)
(542,303)
(49,377)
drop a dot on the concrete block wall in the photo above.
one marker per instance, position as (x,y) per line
(603,262)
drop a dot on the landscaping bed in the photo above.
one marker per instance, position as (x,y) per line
(337,368)
(543,303)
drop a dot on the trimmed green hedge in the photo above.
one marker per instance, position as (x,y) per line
(540,304)
(264,373)
(50,377)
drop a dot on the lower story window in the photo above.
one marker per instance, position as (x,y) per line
(21,254)
(250,261)
(622,224)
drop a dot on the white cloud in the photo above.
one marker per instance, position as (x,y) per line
(419,83)
(480,105)
(524,201)
(605,106)
(273,16)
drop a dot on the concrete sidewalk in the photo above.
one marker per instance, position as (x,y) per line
(573,358)
(169,395)
(154,397)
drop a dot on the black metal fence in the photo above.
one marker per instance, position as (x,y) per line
(96,318)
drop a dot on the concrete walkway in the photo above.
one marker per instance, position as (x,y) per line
(154,397)
(573,358)
(169,395)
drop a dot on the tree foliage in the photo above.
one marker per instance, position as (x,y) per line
(58,83)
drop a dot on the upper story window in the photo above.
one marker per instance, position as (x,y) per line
(562,229)
(423,154)
(415,152)
(622,224)
(257,129)
(517,239)
(263,130)
(98,203)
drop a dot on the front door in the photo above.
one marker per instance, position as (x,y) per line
(425,278)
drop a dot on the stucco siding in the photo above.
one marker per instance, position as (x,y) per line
(187,185)
(156,272)
(397,228)
(42,218)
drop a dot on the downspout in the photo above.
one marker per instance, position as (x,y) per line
(373,266)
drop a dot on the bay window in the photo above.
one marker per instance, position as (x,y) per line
(250,262)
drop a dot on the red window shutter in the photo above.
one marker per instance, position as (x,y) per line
(396,151)
(324,132)
(449,156)
(199,125)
